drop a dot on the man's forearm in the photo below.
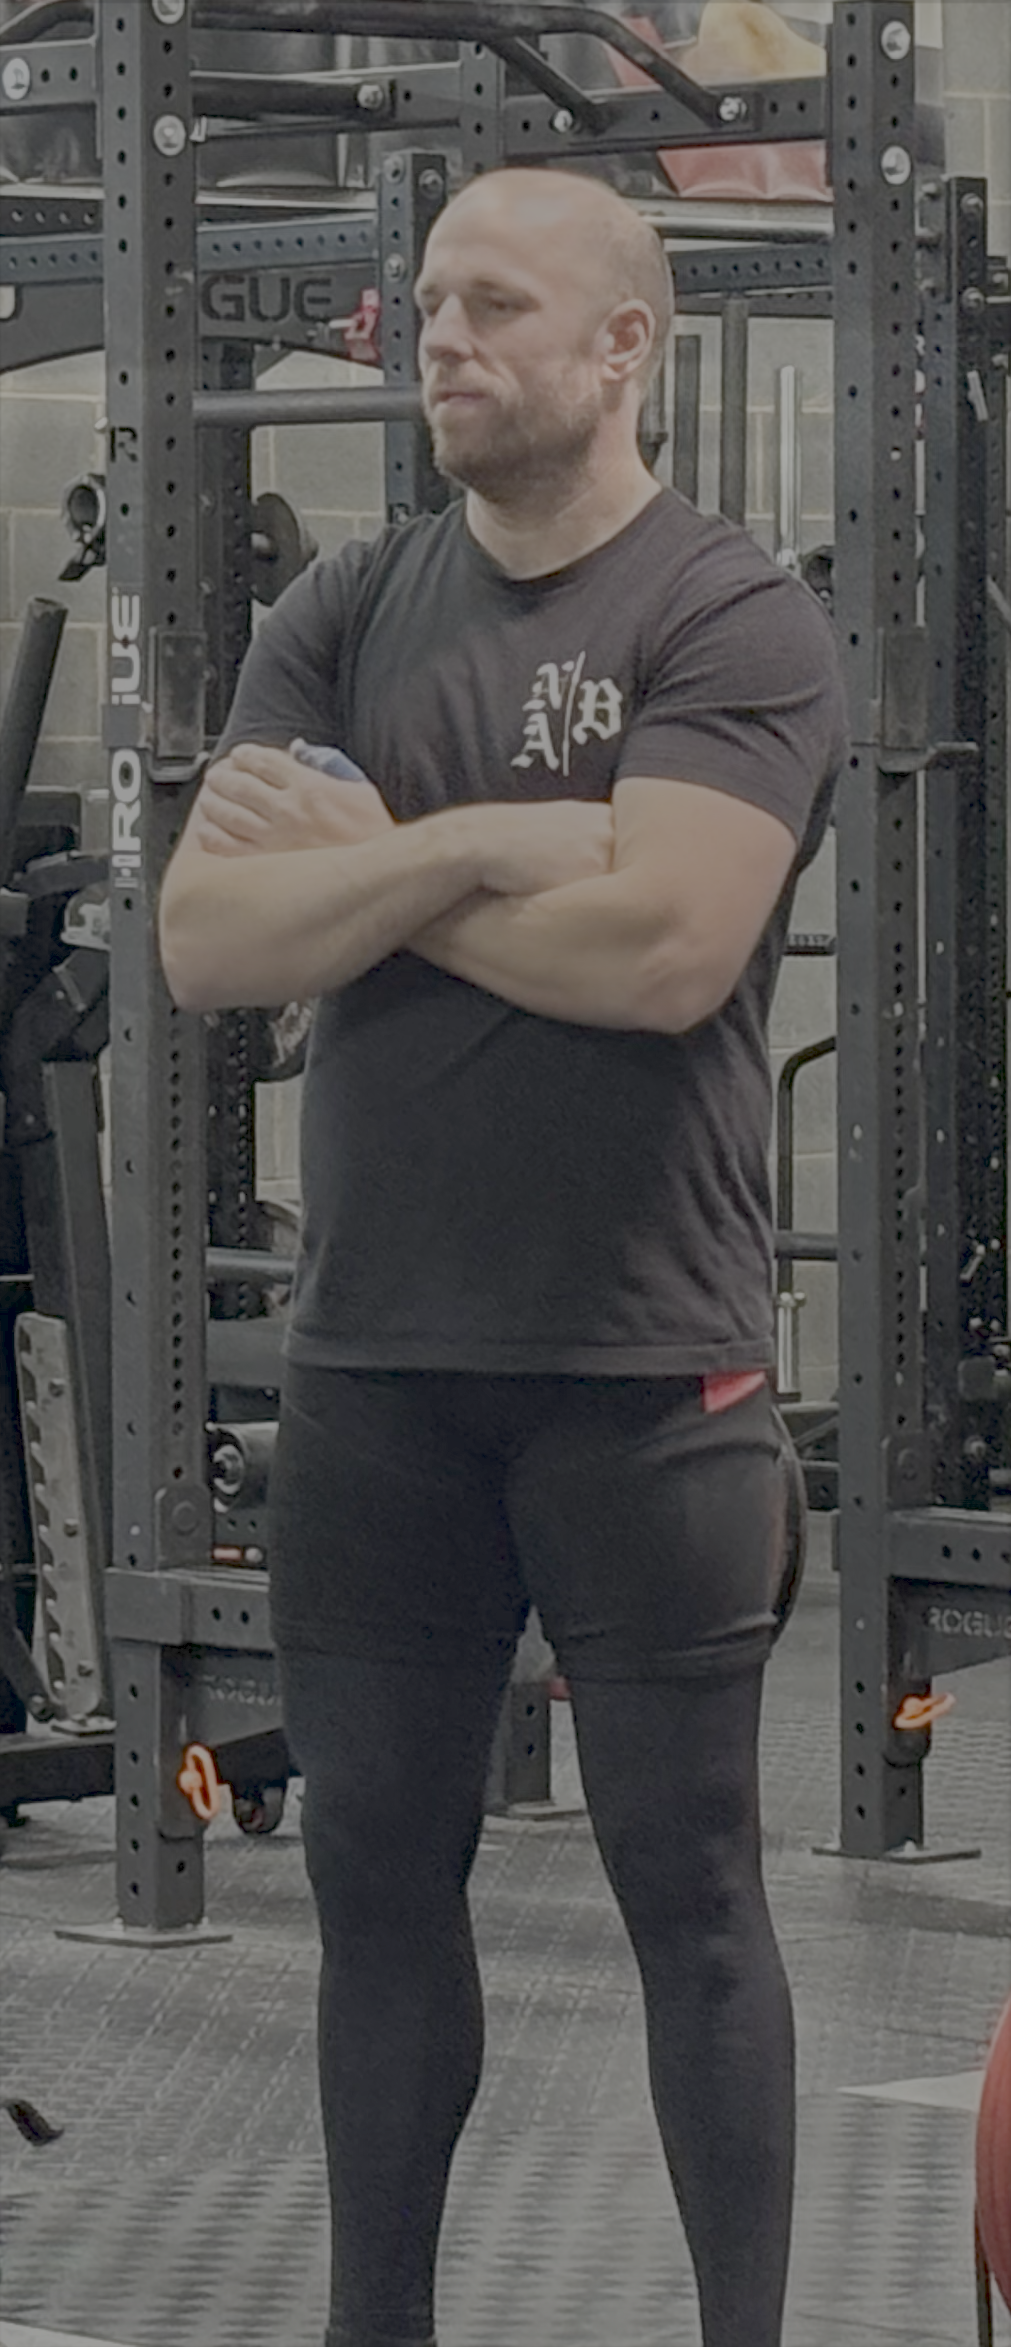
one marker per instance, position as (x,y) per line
(246,931)
(578,953)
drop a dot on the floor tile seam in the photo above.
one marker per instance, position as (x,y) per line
(16,2334)
(883,2335)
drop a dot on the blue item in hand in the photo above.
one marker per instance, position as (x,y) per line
(328,761)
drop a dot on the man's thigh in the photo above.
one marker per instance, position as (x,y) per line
(388,1536)
(650,1533)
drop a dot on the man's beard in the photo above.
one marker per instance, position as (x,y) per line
(521,457)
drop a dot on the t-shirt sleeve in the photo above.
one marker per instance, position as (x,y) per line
(747,697)
(289,683)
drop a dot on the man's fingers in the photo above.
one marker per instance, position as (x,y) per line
(234,786)
(270,766)
(233,817)
(216,842)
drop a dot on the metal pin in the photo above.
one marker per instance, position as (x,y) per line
(169,134)
(896,166)
(896,41)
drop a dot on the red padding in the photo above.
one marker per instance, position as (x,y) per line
(993,2159)
(723,1387)
(791,172)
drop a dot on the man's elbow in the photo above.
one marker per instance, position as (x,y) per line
(183,985)
(684,987)
(185,995)
(181,960)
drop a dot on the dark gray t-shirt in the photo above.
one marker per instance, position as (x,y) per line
(485,1189)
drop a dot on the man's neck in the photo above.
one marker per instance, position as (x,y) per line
(530,541)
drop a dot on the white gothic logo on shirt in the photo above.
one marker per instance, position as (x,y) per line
(565,707)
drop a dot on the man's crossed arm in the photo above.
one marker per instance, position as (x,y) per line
(640,916)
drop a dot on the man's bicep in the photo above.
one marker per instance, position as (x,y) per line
(708,868)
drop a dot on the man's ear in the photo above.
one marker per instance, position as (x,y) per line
(631,332)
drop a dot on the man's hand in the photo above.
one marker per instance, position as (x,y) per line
(257,801)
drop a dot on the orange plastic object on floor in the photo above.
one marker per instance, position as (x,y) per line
(993,2159)
(199,1780)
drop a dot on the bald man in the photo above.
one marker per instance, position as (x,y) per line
(528,1354)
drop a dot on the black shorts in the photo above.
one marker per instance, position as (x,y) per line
(417,1515)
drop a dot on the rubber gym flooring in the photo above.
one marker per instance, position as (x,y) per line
(183,2205)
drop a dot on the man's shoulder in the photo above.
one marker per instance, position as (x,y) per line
(717,550)
(396,547)
(710,570)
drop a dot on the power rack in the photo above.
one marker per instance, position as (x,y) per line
(920,585)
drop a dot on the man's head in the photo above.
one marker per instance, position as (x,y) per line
(546,304)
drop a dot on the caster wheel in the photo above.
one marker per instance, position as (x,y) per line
(259,1809)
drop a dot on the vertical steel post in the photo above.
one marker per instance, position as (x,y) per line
(411,191)
(965,1070)
(998,770)
(687,414)
(734,410)
(155,723)
(226,564)
(482,108)
(880,1156)
(788,478)
(235,1217)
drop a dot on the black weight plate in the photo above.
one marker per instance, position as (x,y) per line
(292,546)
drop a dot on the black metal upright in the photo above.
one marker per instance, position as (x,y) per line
(966,910)
(881,1449)
(234,1216)
(161,1512)
(411,191)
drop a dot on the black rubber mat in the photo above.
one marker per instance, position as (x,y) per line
(556,2237)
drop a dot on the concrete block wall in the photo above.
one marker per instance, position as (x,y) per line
(332,473)
(977,80)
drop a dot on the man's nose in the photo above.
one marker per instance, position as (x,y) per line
(445,331)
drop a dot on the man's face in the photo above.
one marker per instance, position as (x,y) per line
(509,350)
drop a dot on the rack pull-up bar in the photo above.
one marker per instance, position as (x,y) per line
(335,98)
(383,403)
(506,26)
(498,23)
(39,17)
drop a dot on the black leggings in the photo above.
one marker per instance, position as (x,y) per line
(395,1755)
